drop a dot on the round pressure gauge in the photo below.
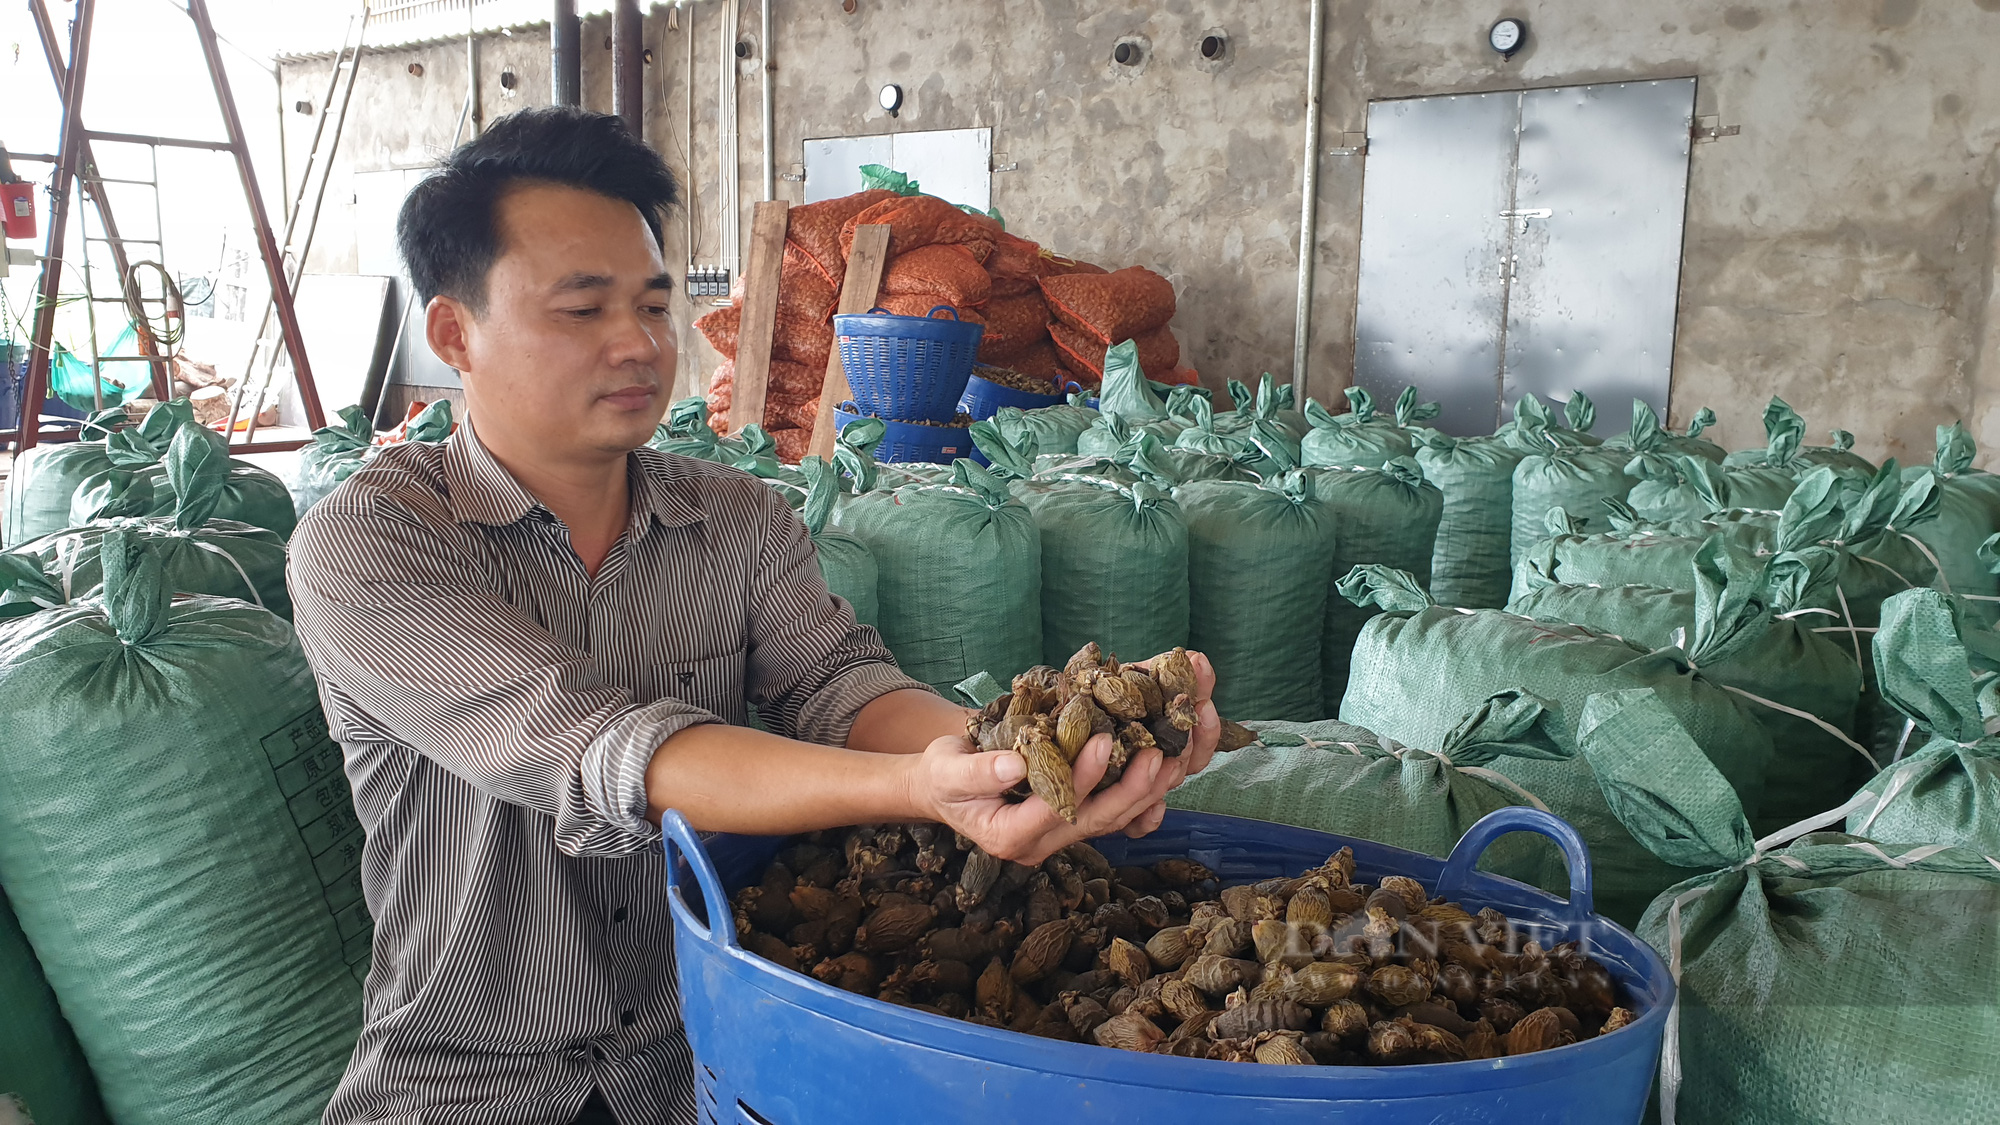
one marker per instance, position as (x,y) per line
(1507,35)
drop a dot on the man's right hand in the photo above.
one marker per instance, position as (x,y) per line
(962,787)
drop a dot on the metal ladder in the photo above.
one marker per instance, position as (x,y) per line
(130,297)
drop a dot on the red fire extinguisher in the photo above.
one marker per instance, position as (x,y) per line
(17,202)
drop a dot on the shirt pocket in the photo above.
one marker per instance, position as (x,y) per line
(713,683)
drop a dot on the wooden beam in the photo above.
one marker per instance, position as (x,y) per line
(761,272)
(858,291)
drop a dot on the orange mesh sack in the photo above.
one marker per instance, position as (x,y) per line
(794,379)
(1111,307)
(721,393)
(790,410)
(792,444)
(1012,266)
(1055,265)
(945,272)
(719,328)
(921,306)
(1159,352)
(814,229)
(1013,325)
(924,220)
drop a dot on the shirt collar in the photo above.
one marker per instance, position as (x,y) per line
(481,490)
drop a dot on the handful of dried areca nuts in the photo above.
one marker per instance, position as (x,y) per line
(1312,969)
(1051,713)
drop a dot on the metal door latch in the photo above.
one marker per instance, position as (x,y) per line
(1529,213)
(1710,128)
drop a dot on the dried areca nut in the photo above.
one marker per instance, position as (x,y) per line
(1218,976)
(1184,1000)
(1090,657)
(1119,698)
(1026,1012)
(1590,988)
(975,726)
(1048,775)
(1378,934)
(1151,698)
(1074,725)
(1412,892)
(1228,938)
(1193,1047)
(996,708)
(1301,946)
(1235,736)
(1096,893)
(1389,902)
(993,737)
(1041,676)
(1539,1030)
(1150,910)
(1494,929)
(1174,672)
(852,972)
(1456,983)
(1172,741)
(1179,872)
(1085,1014)
(994,992)
(942,976)
(1053,1023)
(1044,906)
(1502,1013)
(1181,713)
(1083,951)
(894,928)
(1116,920)
(981,871)
(771,949)
(1240,902)
(1325,1049)
(1323,982)
(1134,738)
(1128,961)
(1438,1014)
(1276,985)
(1256,1016)
(813,903)
(1392,1041)
(1171,947)
(1438,1044)
(1482,1042)
(1395,986)
(1620,1017)
(1128,1032)
(1347,1019)
(1067,880)
(1195,1026)
(1042,951)
(955,944)
(1310,904)
(1268,936)
(1089,861)
(1445,914)
(1283,1048)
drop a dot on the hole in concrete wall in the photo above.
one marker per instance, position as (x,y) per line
(508,81)
(1126,54)
(303,107)
(1212,46)
(742,48)
(416,70)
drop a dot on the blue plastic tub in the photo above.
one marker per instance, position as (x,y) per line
(913,368)
(908,441)
(984,398)
(780,1047)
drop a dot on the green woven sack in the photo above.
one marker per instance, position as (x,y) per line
(846,563)
(1271,404)
(1260,562)
(959,570)
(41,1067)
(1646,432)
(249,494)
(1784,432)
(1737,626)
(1387,516)
(1114,556)
(1473,560)
(1949,791)
(1417,666)
(1968,513)
(1054,428)
(1333,777)
(1149,458)
(1573,478)
(194,895)
(1357,439)
(43,479)
(1536,423)
(1833,980)
(336,452)
(197,554)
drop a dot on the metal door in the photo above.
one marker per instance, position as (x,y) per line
(1432,300)
(1600,192)
(1520,242)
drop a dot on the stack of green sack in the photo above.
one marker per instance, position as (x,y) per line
(1114,554)
(1334,777)
(1647,432)
(198,554)
(1273,404)
(41,1066)
(1387,516)
(1054,428)
(1968,513)
(1823,977)
(687,433)
(845,563)
(1473,561)
(1417,667)
(339,451)
(41,480)
(1360,439)
(1564,470)
(1127,403)
(179,846)
(1784,428)
(1735,621)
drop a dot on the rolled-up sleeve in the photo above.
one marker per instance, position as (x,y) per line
(397,616)
(812,667)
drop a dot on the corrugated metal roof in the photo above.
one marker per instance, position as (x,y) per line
(407,23)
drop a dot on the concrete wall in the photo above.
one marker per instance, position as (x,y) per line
(1841,251)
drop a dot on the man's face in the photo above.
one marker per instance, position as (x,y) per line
(574,354)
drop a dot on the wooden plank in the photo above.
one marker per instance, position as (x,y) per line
(858,291)
(761,271)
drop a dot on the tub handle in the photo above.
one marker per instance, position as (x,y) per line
(1458,869)
(682,842)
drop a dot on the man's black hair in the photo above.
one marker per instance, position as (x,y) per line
(447,230)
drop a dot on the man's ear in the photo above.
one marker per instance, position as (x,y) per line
(446,324)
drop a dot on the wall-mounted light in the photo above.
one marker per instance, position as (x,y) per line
(892,98)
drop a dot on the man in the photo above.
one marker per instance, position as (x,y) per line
(535,637)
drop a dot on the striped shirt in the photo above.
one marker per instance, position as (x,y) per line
(497,707)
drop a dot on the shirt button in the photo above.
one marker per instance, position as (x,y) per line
(627,1019)
(618,915)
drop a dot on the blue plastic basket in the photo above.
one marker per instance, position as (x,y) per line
(984,398)
(779,1047)
(908,441)
(912,368)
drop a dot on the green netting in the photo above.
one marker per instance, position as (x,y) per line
(846,563)
(40,1064)
(959,570)
(1472,563)
(1413,671)
(1735,624)
(1260,562)
(177,840)
(1387,516)
(1334,777)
